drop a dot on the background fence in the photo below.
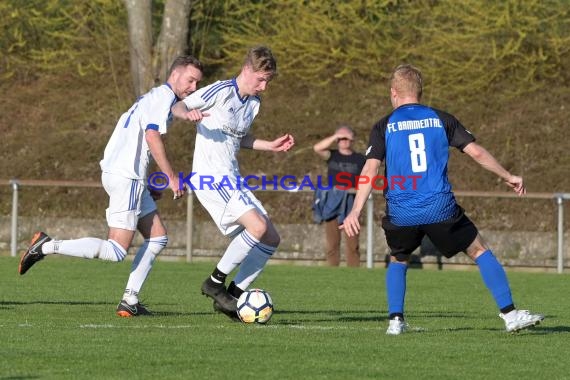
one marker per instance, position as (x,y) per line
(558,198)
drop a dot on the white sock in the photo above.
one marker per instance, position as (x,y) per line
(253,265)
(142,264)
(88,248)
(237,251)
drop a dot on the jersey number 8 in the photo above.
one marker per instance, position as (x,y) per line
(418,152)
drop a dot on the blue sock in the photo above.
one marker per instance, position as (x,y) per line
(396,287)
(495,279)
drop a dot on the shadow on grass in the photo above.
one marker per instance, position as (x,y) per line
(378,315)
(178,313)
(543,330)
(331,316)
(155,313)
(15,303)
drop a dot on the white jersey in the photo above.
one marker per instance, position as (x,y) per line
(219,135)
(127,153)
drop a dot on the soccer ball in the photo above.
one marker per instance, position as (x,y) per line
(255,306)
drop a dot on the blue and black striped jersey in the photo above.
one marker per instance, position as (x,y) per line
(414,141)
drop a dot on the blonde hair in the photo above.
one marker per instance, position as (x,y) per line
(407,80)
(260,58)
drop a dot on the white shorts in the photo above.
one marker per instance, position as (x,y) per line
(129,200)
(226,206)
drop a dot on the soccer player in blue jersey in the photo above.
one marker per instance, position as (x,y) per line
(413,140)
(136,138)
(232,106)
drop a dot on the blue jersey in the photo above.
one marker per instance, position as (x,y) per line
(414,141)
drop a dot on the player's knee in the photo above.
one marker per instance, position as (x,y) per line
(157,244)
(401,257)
(476,248)
(258,230)
(110,250)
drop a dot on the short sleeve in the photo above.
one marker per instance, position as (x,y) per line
(206,97)
(457,135)
(155,109)
(376,142)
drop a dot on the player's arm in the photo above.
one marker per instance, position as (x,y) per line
(193,107)
(351,225)
(181,111)
(487,161)
(280,144)
(158,151)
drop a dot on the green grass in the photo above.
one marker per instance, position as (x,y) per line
(58,321)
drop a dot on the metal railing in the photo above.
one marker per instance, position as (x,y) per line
(15,184)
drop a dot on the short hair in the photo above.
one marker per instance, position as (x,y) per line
(260,58)
(407,80)
(185,60)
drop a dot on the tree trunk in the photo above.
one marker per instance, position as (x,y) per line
(140,38)
(173,38)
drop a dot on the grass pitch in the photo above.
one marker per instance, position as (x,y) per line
(58,321)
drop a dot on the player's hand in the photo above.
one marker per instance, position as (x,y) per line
(282,144)
(196,115)
(178,190)
(351,225)
(517,184)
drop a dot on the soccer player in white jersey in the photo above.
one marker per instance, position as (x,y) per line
(232,105)
(136,137)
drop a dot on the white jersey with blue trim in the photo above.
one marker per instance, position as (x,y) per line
(219,135)
(127,153)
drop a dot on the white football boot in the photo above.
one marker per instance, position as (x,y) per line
(396,326)
(520,319)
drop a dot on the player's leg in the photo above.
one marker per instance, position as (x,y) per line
(492,273)
(124,195)
(124,203)
(402,242)
(225,206)
(88,248)
(155,239)
(250,249)
(122,216)
(460,234)
(332,242)
(268,239)
(496,280)
(240,214)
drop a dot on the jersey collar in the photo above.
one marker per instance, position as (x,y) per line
(170,87)
(244,99)
(408,105)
